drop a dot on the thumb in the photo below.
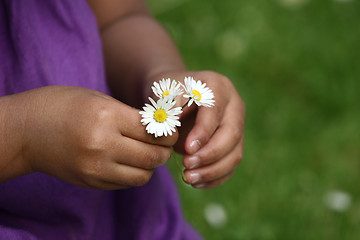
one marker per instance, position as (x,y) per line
(133,128)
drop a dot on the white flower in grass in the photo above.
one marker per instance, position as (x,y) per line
(215,215)
(197,92)
(338,200)
(166,89)
(161,118)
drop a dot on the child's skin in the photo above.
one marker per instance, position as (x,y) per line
(92,140)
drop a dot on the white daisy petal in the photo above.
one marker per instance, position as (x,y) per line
(198,93)
(190,102)
(167,89)
(161,118)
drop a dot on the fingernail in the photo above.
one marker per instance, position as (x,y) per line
(194,177)
(202,185)
(195,146)
(194,161)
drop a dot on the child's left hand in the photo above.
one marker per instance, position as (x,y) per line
(211,139)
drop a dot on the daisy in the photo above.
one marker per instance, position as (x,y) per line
(160,118)
(197,92)
(166,89)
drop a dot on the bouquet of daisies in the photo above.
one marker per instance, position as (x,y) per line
(162,117)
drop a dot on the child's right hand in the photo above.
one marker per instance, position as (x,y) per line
(87,138)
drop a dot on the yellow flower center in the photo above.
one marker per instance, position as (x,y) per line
(197,95)
(160,115)
(165,93)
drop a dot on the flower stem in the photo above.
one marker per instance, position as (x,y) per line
(185,104)
(181,169)
(179,165)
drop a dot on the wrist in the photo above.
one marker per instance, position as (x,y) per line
(12,127)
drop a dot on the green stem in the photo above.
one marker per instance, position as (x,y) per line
(181,168)
(179,165)
(185,104)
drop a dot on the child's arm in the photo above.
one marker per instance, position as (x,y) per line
(137,52)
(78,135)
(12,125)
(136,48)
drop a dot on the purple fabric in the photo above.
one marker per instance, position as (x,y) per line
(56,42)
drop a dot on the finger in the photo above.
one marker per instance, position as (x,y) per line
(133,128)
(127,175)
(214,183)
(217,169)
(207,121)
(117,176)
(224,140)
(139,154)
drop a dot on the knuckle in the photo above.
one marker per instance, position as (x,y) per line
(236,134)
(167,154)
(242,109)
(219,112)
(204,134)
(102,112)
(209,175)
(157,157)
(164,156)
(93,143)
(92,135)
(238,157)
(151,160)
(209,155)
(237,160)
(88,131)
(217,76)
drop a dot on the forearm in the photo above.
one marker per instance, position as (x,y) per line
(136,48)
(11,128)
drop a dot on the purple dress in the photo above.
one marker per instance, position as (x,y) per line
(56,42)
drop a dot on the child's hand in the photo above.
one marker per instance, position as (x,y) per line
(89,139)
(212,138)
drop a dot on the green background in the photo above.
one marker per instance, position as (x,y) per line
(296,65)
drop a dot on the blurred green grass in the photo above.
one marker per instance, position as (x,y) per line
(296,65)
